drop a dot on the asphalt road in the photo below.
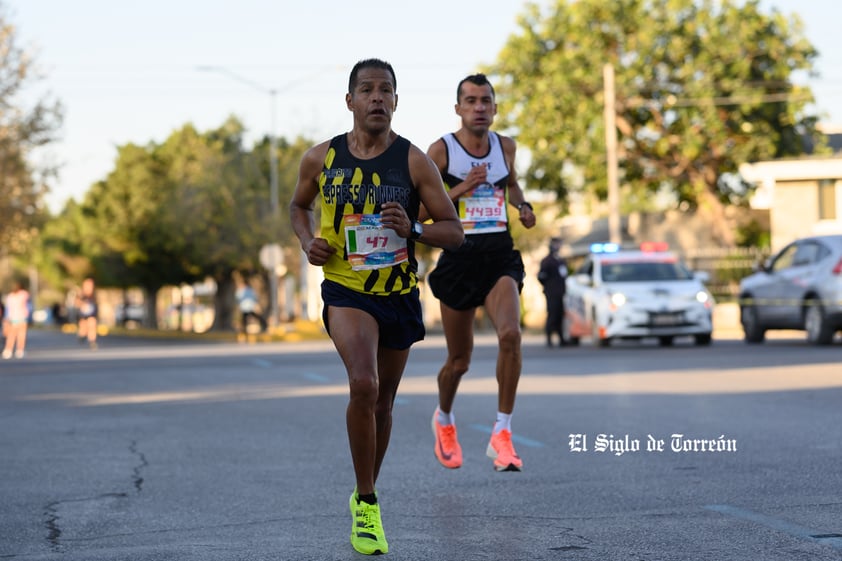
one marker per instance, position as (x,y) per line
(156,450)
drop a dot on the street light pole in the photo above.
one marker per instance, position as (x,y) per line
(273,176)
(273,141)
(273,161)
(614,223)
(273,206)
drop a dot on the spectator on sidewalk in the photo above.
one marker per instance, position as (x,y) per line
(16,321)
(249,306)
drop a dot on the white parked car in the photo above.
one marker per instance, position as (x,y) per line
(646,293)
(798,288)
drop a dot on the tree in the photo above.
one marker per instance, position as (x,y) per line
(57,254)
(192,207)
(701,86)
(126,236)
(218,208)
(22,129)
(173,213)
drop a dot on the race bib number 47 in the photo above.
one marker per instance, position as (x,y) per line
(371,246)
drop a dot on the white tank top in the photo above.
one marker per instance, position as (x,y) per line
(483,210)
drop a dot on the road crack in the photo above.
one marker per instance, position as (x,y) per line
(137,477)
(52,511)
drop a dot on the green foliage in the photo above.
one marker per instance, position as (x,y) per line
(754,234)
(58,255)
(192,207)
(24,127)
(289,157)
(701,86)
(213,203)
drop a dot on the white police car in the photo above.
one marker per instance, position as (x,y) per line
(622,294)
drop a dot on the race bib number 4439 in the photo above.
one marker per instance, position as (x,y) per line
(483,214)
(371,246)
(482,209)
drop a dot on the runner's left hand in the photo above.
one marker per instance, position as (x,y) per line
(394,217)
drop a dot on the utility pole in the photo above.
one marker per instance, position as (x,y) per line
(615,235)
(273,161)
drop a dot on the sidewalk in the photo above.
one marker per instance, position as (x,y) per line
(726,326)
(726,321)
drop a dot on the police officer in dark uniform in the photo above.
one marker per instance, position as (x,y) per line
(552,276)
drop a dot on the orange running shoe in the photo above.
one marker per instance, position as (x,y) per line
(500,449)
(448,450)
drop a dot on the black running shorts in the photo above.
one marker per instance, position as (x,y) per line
(398,315)
(463,281)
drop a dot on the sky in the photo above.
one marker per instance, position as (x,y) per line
(136,71)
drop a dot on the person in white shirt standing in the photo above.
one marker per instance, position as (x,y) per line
(16,321)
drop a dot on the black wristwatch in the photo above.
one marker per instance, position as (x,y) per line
(525,204)
(417,230)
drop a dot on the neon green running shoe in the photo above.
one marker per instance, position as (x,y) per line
(367,535)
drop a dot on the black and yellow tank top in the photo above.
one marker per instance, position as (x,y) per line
(369,258)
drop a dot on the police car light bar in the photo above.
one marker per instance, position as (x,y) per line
(605,247)
(654,246)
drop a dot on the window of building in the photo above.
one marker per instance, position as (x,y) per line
(827,199)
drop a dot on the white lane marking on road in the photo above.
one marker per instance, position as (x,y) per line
(832,539)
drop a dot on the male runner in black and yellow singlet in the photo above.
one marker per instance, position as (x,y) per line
(370,182)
